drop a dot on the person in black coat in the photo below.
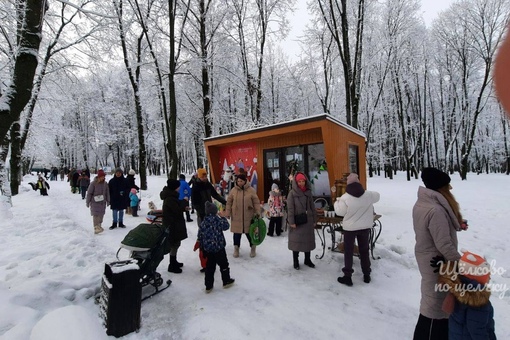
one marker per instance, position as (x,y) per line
(203,191)
(119,197)
(173,217)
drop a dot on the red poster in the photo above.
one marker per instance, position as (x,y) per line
(234,157)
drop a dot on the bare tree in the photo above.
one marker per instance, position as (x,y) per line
(336,16)
(30,14)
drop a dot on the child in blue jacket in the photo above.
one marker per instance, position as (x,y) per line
(134,201)
(212,242)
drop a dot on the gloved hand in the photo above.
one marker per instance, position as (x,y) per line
(197,245)
(436,262)
(88,205)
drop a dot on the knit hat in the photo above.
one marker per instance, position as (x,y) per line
(210,208)
(352,178)
(100,173)
(181,176)
(474,267)
(300,177)
(274,186)
(132,172)
(434,178)
(173,184)
(242,177)
(355,189)
(119,169)
(201,172)
(133,191)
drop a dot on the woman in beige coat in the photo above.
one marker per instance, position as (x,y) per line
(242,204)
(436,220)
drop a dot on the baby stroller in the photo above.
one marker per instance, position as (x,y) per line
(147,244)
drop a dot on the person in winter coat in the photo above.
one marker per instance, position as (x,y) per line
(203,191)
(471,312)
(357,208)
(98,197)
(119,197)
(173,217)
(242,205)
(436,221)
(191,182)
(301,235)
(43,186)
(212,241)
(73,180)
(185,194)
(134,201)
(276,203)
(83,183)
(131,180)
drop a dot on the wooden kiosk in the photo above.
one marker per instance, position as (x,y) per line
(322,147)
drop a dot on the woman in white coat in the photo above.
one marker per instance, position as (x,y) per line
(357,208)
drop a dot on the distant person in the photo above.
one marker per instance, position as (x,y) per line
(192,181)
(119,197)
(42,185)
(276,203)
(173,216)
(302,219)
(242,205)
(84,182)
(185,194)
(357,208)
(212,241)
(72,178)
(436,221)
(98,197)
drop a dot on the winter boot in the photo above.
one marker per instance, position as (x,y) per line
(179,264)
(225,277)
(121,225)
(252,252)
(173,267)
(295,256)
(236,251)
(308,262)
(97,229)
(114,225)
(345,280)
(366,278)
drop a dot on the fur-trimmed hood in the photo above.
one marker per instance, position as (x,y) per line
(465,290)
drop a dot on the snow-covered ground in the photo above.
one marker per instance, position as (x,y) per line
(51,266)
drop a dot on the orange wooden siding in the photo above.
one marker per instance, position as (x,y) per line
(318,129)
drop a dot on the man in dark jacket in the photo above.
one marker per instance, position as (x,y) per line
(173,218)
(119,197)
(203,191)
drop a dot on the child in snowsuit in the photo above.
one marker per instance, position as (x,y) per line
(471,312)
(276,204)
(134,201)
(43,186)
(212,241)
